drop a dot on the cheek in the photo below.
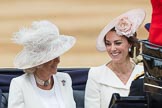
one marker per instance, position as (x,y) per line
(108,50)
(125,47)
(125,51)
(47,66)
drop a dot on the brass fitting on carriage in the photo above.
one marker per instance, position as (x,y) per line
(137,59)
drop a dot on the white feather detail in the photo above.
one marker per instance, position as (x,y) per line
(40,32)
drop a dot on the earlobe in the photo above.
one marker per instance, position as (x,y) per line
(129,49)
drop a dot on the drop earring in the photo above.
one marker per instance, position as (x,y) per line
(129,49)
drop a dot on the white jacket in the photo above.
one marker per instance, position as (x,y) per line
(23,95)
(102,83)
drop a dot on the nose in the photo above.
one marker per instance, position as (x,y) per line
(113,47)
(56,60)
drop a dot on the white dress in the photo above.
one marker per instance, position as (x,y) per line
(49,98)
(102,83)
(23,93)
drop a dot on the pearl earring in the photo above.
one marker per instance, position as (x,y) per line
(129,49)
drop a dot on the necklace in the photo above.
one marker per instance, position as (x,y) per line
(41,82)
(110,65)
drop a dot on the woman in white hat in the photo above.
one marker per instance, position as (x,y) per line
(41,86)
(118,38)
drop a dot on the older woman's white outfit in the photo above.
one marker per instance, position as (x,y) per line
(42,43)
(102,83)
(25,94)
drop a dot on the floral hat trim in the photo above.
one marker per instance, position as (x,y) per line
(126,27)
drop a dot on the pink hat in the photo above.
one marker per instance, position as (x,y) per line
(125,24)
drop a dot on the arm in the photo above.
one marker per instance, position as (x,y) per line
(15,96)
(92,93)
(136,88)
(73,104)
(65,84)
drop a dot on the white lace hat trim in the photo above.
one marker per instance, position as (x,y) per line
(42,43)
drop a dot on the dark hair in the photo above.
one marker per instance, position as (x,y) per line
(131,40)
(135,44)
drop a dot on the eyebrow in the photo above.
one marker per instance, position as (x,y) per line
(114,41)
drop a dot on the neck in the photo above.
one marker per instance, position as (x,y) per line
(42,82)
(42,79)
(125,67)
(122,70)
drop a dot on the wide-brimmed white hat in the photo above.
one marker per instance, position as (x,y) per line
(42,43)
(125,24)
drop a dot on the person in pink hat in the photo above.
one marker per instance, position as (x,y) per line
(119,40)
(41,86)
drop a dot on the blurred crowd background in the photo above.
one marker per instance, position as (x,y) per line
(83,19)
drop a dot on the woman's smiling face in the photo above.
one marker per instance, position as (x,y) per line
(117,46)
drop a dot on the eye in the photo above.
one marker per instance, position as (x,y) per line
(118,43)
(107,43)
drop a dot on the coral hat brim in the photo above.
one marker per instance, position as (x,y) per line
(137,15)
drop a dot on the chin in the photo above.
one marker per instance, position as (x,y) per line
(115,60)
(54,71)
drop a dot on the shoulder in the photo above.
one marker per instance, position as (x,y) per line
(136,88)
(139,76)
(63,78)
(20,78)
(139,67)
(62,75)
(97,73)
(96,70)
(20,81)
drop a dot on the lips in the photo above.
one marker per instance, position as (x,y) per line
(115,53)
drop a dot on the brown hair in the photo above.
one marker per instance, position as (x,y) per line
(131,40)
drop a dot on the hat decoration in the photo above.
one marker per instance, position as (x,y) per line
(42,42)
(125,25)
(36,37)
